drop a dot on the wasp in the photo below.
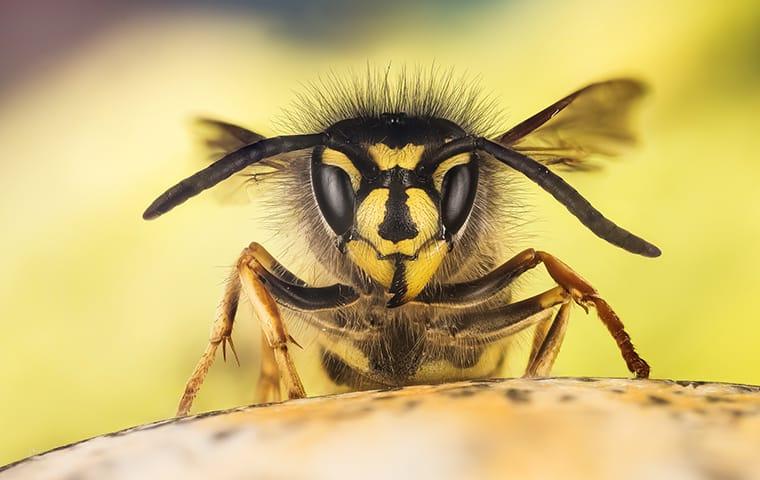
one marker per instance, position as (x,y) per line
(399,193)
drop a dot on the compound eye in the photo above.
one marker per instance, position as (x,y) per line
(335,196)
(458,195)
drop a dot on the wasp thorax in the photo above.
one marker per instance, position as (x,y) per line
(396,220)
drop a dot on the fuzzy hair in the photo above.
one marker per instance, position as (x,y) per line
(419,92)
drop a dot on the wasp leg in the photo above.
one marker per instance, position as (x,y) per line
(469,293)
(465,294)
(264,279)
(541,363)
(539,335)
(221,333)
(479,328)
(586,295)
(268,384)
(265,307)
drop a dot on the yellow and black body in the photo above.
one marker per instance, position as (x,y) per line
(405,202)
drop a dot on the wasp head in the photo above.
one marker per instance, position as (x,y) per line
(395,204)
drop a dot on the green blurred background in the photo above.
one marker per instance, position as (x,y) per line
(104,315)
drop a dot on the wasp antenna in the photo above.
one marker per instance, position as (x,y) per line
(566,195)
(227,166)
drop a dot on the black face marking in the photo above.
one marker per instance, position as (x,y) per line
(398,224)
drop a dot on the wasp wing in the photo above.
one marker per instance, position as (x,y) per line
(225,137)
(218,138)
(592,120)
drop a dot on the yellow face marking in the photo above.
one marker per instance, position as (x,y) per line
(371,213)
(340,160)
(420,270)
(447,165)
(424,213)
(429,253)
(386,157)
(365,257)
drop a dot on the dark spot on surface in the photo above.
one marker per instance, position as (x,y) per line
(617,390)
(411,405)
(714,399)
(700,411)
(352,413)
(518,395)
(587,379)
(462,392)
(736,413)
(566,398)
(223,434)
(657,400)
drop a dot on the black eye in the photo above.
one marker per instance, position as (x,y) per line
(458,194)
(335,196)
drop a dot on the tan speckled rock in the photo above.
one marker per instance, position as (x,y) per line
(545,428)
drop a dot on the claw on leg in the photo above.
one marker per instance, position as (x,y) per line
(225,341)
(221,332)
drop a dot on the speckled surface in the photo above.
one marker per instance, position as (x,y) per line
(517,428)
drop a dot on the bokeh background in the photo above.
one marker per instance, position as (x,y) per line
(103,315)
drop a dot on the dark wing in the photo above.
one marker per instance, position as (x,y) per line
(592,120)
(223,136)
(218,138)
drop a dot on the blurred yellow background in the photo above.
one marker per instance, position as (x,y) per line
(104,314)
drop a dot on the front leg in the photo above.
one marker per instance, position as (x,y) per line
(265,307)
(465,294)
(264,279)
